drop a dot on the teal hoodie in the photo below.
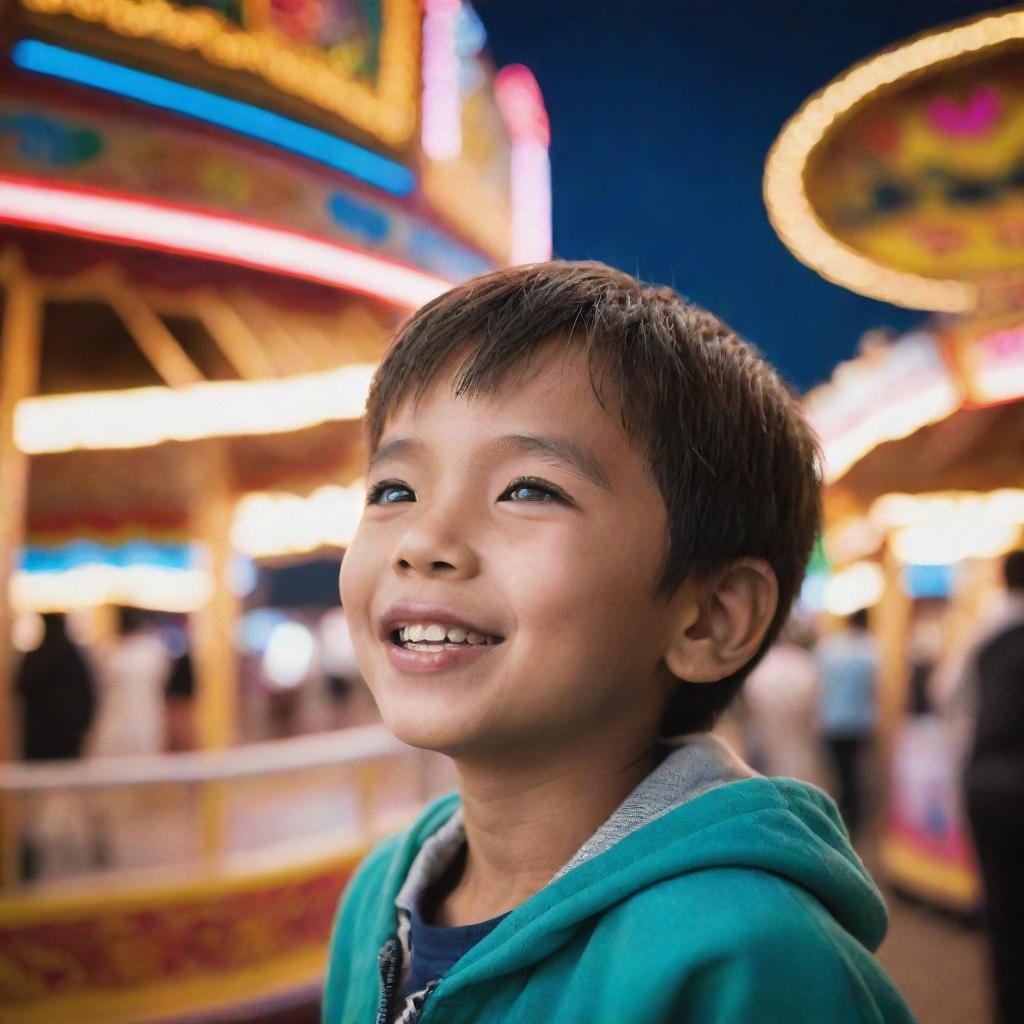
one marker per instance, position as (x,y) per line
(711,895)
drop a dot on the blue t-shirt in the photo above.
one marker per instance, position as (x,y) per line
(435,949)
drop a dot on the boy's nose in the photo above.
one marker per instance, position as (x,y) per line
(426,555)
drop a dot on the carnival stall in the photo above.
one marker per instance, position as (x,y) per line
(212,215)
(902,180)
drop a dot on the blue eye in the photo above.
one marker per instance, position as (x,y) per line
(388,492)
(530,489)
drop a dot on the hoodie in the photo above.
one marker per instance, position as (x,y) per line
(711,895)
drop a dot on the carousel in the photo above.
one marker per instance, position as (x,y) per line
(212,216)
(902,180)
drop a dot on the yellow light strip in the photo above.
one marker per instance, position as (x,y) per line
(887,423)
(389,113)
(271,524)
(950,526)
(140,417)
(789,207)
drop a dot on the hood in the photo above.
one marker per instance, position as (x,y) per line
(701,808)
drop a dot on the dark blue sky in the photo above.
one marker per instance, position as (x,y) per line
(662,114)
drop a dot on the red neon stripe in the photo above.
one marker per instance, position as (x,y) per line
(87,213)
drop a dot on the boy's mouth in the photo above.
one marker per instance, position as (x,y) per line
(433,637)
(434,628)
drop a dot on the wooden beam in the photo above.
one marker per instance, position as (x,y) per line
(295,353)
(154,338)
(236,340)
(19,353)
(216,662)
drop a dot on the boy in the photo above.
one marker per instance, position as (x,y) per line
(590,507)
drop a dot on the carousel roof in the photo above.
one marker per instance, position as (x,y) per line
(901,179)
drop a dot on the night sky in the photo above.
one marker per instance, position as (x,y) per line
(662,114)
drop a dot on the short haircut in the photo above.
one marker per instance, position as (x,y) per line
(734,459)
(1013,570)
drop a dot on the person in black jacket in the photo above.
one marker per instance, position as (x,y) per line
(57,694)
(994,785)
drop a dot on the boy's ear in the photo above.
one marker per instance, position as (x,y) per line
(721,625)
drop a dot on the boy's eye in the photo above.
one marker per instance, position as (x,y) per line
(530,489)
(389,492)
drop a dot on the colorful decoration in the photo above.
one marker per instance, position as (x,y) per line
(39,139)
(903,180)
(926,850)
(186,100)
(185,948)
(939,201)
(351,59)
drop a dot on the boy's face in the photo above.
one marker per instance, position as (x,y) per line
(558,570)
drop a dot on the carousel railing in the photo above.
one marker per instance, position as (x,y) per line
(193,886)
(201,811)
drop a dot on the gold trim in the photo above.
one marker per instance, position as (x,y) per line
(789,207)
(387,113)
(29,909)
(206,992)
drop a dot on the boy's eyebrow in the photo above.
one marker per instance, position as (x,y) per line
(562,451)
(395,449)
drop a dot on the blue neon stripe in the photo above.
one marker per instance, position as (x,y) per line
(35,558)
(55,61)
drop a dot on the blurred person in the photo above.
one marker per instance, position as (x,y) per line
(57,694)
(994,790)
(848,660)
(57,697)
(780,710)
(179,705)
(924,654)
(133,671)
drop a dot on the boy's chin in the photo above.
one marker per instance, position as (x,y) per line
(441,735)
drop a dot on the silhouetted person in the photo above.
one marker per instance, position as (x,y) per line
(848,660)
(58,701)
(994,785)
(58,696)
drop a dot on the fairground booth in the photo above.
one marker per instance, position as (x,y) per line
(902,180)
(213,213)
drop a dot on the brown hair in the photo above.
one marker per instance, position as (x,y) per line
(725,440)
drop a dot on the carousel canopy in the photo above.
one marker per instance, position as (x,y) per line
(902,179)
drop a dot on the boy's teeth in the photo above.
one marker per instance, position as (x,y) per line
(437,633)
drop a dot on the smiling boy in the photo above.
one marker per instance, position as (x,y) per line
(590,506)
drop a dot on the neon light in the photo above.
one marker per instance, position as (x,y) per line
(441,134)
(140,417)
(522,107)
(242,118)
(119,218)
